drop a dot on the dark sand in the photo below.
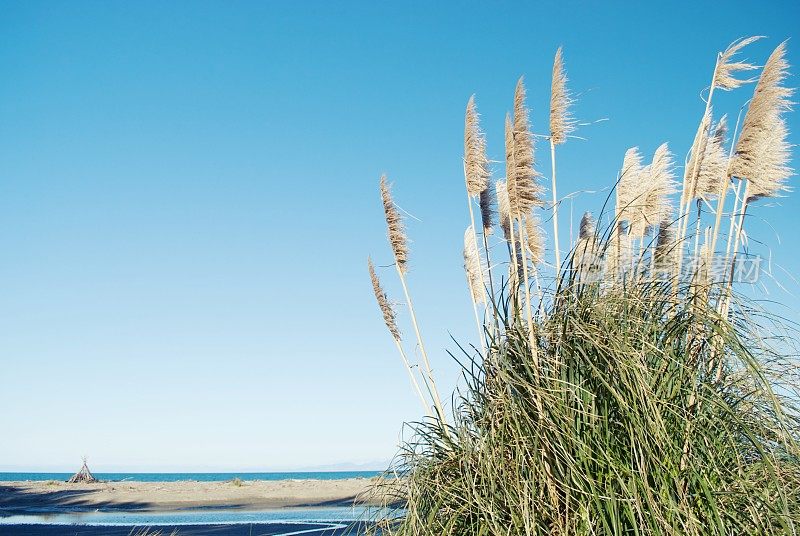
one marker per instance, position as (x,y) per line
(255,529)
(25,497)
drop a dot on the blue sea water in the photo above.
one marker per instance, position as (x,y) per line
(332,514)
(200,477)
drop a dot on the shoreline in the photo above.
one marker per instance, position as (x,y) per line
(42,497)
(274,529)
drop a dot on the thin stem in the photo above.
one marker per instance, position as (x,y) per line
(728,287)
(434,391)
(515,295)
(539,291)
(697,228)
(739,229)
(721,197)
(737,190)
(555,206)
(495,324)
(480,325)
(733,226)
(689,181)
(413,378)
(653,258)
(531,333)
(721,303)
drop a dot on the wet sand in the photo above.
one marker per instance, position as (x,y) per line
(27,497)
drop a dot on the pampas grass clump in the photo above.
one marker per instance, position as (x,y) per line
(639,393)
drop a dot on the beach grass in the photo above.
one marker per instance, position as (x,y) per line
(633,390)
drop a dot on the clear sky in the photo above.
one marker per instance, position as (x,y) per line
(188,195)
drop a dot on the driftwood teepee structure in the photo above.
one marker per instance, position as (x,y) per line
(84,476)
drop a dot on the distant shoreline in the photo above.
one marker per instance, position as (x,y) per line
(9,476)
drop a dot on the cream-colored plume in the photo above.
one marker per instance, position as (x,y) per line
(712,168)
(653,204)
(776,153)
(524,192)
(629,187)
(472,266)
(617,253)
(394,224)
(660,186)
(696,155)
(509,146)
(727,67)
(389,314)
(504,211)
(476,165)
(561,121)
(762,152)
(534,238)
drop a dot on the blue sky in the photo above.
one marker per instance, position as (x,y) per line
(188,194)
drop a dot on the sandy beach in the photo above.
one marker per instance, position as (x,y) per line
(27,496)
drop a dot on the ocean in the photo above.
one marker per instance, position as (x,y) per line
(200,477)
(327,521)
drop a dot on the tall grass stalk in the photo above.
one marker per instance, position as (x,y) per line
(724,76)
(476,171)
(389,318)
(399,243)
(473,271)
(561,124)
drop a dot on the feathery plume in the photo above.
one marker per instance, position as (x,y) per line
(712,168)
(629,186)
(389,314)
(776,153)
(617,253)
(509,146)
(396,229)
(664,254)
(696,155)
(561,121)
(534,238)
(762,151)
(503,208)
(472,265)
(510,174)
(657,184)
(524,192)
(476,165)
(660,187)
(727,68)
